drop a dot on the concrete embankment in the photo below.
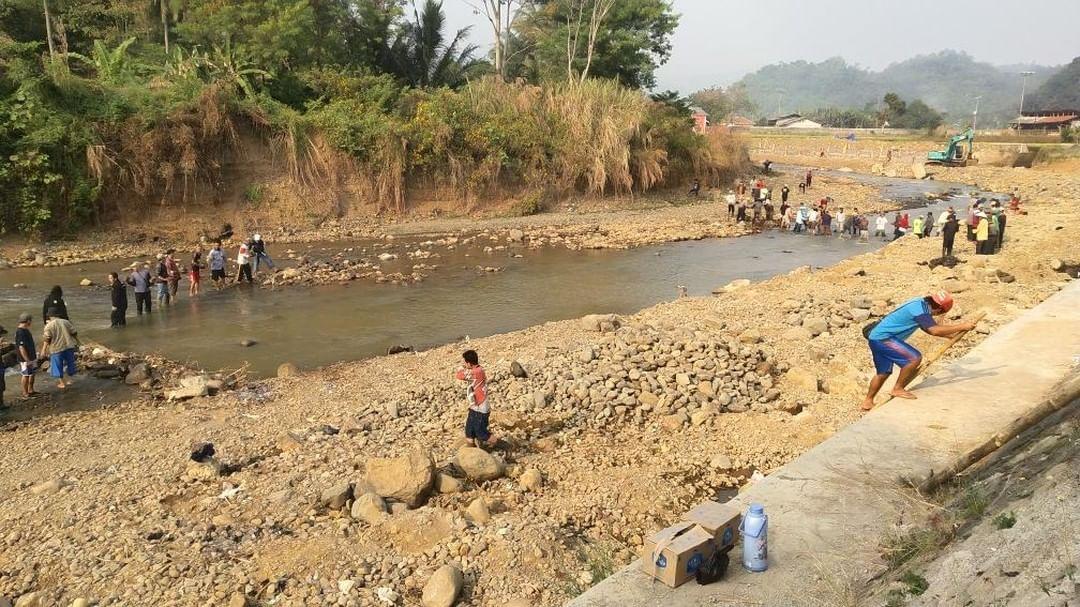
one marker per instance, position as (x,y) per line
(831,507)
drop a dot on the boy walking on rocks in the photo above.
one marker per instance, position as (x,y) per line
(476,424)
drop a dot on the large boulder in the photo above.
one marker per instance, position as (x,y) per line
(478,512)
(731,287)
(192,386)
(816,326)
(443,588)
(599,323)
(137,374)
(479,465)
(406,479)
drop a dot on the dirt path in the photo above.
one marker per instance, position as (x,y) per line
(626,428)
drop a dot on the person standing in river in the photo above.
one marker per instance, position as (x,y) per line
(784,193)
(216,259)
(173,270)
(118,294)
(195,273)
(140,281)
(61,341)
(161,279)
(243,261)
(54,301)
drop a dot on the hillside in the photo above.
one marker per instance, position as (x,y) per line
(947,81)
(1061,90)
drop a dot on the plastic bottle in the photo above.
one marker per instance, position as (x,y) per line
(755,531)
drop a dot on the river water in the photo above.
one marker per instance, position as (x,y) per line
(316,326)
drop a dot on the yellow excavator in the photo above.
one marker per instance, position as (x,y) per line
(958,153)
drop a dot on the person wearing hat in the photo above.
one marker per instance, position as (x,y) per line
(982,234)
(61,341)
(140,281)
(27,354)
(887,346)
(258,251)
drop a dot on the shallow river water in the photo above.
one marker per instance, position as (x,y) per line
(321,325)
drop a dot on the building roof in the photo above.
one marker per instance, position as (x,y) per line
(795,119)
(737,120)
(1045,120)
(696,110)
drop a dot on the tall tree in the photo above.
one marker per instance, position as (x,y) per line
(502,15)
(621,39)
(423,56)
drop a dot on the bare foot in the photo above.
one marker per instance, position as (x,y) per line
(903,394)
(867,405)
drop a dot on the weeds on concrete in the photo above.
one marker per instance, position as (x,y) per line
(900,548)
(598,560)
(973,502)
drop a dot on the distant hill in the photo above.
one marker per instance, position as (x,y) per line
(948,81)
(1061,91)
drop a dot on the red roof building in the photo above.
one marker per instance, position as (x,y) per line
(1048,120)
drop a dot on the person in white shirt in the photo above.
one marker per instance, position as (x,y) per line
(216,260)
(729,198)
(880,225)
(243,259)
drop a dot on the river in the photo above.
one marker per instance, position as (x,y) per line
(316,326)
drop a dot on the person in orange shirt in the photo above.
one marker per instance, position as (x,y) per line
(476,424)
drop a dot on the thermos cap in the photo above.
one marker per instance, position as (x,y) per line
(757,509)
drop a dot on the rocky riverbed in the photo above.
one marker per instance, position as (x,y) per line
(349,485)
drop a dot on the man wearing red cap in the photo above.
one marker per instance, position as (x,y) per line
(887,345)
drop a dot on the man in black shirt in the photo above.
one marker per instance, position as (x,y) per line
(27,354)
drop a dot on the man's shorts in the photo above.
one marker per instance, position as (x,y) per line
(217,275)
(28,368)
(61,361)
(892,351)
(476,426)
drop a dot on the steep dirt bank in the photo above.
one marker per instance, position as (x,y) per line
(611,435)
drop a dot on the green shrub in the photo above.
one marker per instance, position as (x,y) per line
(1005,520)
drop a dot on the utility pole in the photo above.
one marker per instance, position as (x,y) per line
(779,101)
(165,23)
(975,114)
(1023,89)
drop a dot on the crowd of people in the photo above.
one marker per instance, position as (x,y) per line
(753,204)
(59,339)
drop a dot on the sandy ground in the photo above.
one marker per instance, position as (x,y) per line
(101,504)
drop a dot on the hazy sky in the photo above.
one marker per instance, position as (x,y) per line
(720,40)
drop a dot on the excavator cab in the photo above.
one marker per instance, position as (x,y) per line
(958,152)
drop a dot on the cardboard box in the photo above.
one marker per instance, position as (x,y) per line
(721,520)
(674,555)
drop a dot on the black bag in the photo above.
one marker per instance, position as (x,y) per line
(868,328)
(714,567)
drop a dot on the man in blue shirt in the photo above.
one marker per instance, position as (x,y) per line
(888,347)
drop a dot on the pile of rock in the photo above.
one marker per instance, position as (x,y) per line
(810,318)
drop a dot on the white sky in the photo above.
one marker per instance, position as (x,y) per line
(718,41)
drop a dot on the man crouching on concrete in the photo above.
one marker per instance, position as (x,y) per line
(888,347)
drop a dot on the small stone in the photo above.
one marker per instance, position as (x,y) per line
(31,599)
(80,602)
(48,487)
(478,512)
(137,374)
(336,496)
(444,484)
(587,354)
(815,326)
(247,343)
(369,508)
(289,442)
(720,462)
(238,599)
(443,588)
(531,480)
(517,370)
(859,314)
(222,520)
(698,418)
(674,422)
(209,470)
(479,465)
(750,336)
(287,370)
(86,282)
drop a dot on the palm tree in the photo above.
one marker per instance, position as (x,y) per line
(421,56)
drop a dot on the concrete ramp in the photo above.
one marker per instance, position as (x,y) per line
(830,508)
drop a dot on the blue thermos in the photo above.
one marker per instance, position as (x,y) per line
(755,531)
